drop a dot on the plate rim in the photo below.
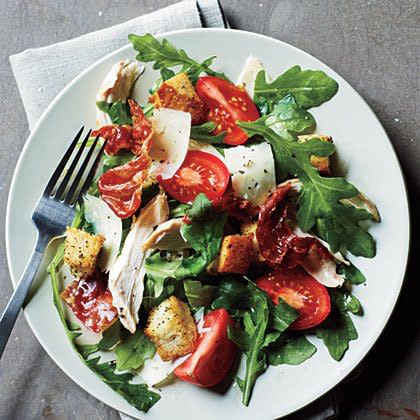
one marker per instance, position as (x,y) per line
(311,397)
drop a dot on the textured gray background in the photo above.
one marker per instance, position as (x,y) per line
(372,44)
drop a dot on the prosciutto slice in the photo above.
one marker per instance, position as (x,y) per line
(280,244)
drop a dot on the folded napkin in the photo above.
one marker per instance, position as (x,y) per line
(42,73)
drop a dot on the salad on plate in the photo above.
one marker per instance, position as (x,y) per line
(215,231)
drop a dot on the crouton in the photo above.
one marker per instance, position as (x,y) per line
(81,251)
(320,163)
(250,228)
(171,328)
(178,93)
(235,256)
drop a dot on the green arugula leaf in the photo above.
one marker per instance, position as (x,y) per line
(293,350)
(319,200)
(199,294)
(338,329)
(165,55)
(138,395)
(133,350)
(288,117)
(233,295)
(160,267)
(204,234)
(282,316)
(121,158)
(309,87)
(252,342)
(110,337)
(87,349)
(263,324)
(118,111)
(351,273)
(204,132)
(177,209)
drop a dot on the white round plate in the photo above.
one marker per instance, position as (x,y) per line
(371,165)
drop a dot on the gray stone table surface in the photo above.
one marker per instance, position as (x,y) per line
(374,44)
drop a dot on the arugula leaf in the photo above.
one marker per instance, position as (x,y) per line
(204,132)
(165,55)
(288,117)
(309,87)
(199,294)
(110,337)
(282,315)
(159,268)
(338,329)
(351,273)
(252,342)
(232,295)
(137,395)
(319,200)
(133,350)
(177,209)
(121,158)
(263,324)
(293,350)
(204,234)
(118,111)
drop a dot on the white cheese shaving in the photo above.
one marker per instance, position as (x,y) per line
(171,135)
(106,223)
(248,74)
(252,170)
(155,370)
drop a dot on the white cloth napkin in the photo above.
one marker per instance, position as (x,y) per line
(42,73)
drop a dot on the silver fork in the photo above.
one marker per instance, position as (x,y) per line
(54,212)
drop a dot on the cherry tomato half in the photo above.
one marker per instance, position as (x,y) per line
(214,355)
(200,172)
(301,291)
(227,104)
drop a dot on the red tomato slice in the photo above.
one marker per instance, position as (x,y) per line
(227,104)
(200,172)
(121,187)
(91,301)
(214,355)
(301,291)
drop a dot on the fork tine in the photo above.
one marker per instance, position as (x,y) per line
(91,173)
(75,184)
(61,188)
(56,175)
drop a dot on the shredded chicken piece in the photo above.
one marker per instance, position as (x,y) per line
(126,275)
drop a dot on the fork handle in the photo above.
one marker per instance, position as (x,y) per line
(10,314)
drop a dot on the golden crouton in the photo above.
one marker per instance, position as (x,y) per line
(178,93)
(81,251)
(171,328)
(235,256)
(250,228)
(320,163)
